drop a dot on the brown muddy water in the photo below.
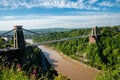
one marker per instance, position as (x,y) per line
(67,66)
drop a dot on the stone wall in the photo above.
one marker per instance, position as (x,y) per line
(92,39)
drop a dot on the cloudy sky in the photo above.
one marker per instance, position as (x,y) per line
(58,13)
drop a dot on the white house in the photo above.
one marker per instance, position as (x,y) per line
(7,37)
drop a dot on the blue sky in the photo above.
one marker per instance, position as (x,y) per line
(58,13)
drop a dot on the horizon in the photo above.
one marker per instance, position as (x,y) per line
(62,28)
(40,14)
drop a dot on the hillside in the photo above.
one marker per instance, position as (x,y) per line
(103,55)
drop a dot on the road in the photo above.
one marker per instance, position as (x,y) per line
(68,67)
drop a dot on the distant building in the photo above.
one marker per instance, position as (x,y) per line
(7,37)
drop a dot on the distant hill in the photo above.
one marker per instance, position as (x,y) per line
(47,30)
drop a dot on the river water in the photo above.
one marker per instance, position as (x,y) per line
(68,67)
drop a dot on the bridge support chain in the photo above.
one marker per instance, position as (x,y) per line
(19,41)
(6,33)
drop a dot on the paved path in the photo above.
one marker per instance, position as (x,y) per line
(67,66)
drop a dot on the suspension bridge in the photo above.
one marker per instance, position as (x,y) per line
(19,41)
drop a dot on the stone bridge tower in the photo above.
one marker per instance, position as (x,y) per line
(94,31)
(94,36)
(19,41)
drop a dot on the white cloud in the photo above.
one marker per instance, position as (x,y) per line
(79,15)
(106,3)
(8,17)
(92,1)
(79,4)
(89,19)
(117,0)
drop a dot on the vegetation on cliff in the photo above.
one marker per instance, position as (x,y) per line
(103,55)
(26,64)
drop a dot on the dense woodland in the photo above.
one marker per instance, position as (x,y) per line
(25,64)
(103,55)
(5,44)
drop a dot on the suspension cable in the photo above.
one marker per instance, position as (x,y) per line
(36,32)
(32,32)
(6,33)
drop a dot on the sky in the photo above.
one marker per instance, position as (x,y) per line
(36,14)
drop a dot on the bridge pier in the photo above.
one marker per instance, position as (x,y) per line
(19,41)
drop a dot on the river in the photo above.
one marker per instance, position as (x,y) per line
(66,66)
